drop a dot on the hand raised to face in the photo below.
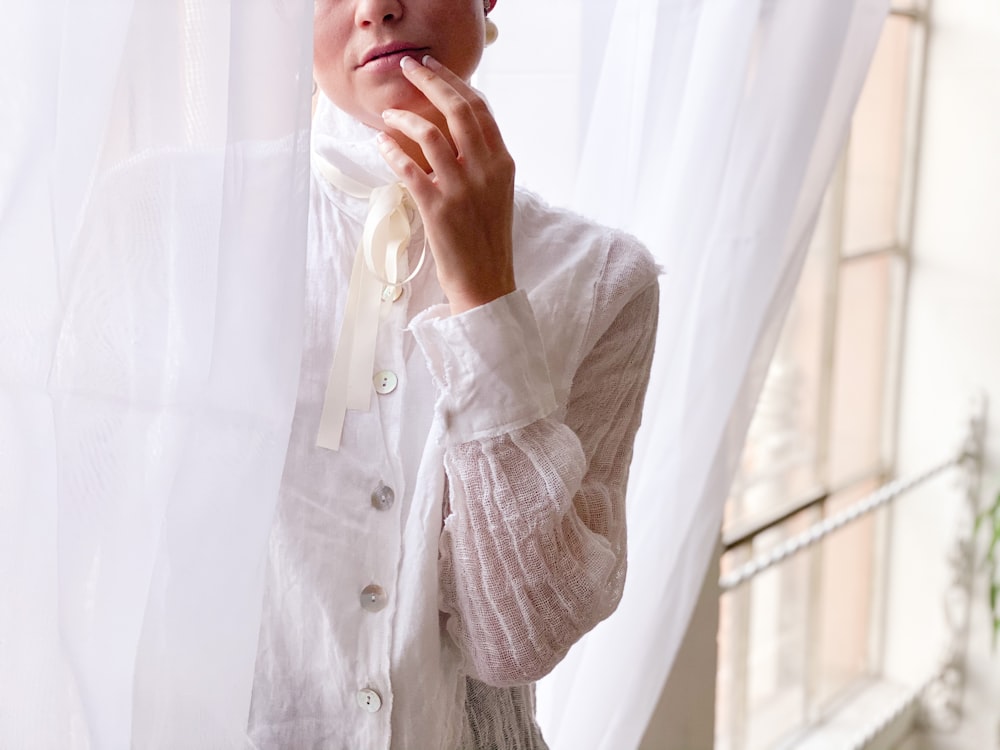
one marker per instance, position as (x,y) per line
(467,199)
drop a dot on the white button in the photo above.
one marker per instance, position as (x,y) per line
(373,598)
(369,700)
(383,497)
(391,293)
(385,382)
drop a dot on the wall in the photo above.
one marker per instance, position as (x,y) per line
(684,718)
(951,351)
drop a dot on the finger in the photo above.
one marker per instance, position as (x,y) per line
(417,181)
(458,110)
(480,107)
(435,145)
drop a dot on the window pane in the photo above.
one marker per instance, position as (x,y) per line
(777,663)
(847,574)
(864,300)
(875,154)
(730,690)
(779,466)
(764,646)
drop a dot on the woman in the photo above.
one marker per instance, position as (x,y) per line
(441,543)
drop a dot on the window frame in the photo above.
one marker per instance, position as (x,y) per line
(738,537)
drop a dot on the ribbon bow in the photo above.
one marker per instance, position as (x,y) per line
(379,269)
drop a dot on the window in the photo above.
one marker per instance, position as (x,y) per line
(797,639)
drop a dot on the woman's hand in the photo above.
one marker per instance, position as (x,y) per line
(467,201)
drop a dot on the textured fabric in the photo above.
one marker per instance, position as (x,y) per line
(498,718)
(506,444)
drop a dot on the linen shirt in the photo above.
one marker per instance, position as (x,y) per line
(471,527)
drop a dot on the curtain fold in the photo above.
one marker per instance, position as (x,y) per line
(711,134)
(153,188)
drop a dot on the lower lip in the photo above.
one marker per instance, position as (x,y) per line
(391,62)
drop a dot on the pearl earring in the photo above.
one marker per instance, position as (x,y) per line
(492,32)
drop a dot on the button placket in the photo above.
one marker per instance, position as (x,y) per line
(377,597)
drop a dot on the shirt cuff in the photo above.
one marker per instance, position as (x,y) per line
(489,366)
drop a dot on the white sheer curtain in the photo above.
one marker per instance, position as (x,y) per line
(711,133)
(152,190)
(152,202)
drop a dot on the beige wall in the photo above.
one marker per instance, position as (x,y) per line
(685,715)
(952,348)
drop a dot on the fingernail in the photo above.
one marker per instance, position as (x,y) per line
(431,63)
(408,63)
(388,114)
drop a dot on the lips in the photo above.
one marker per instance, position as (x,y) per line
(392,50)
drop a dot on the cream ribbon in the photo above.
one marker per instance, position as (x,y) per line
(379,268)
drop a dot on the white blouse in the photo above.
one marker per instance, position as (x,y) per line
(471,527)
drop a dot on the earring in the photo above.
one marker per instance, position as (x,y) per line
(492,32)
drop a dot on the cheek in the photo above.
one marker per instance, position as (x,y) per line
(463,41)
(327,54)
(468,55)
(328,39)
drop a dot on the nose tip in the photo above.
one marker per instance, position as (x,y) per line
(370,12)
(386,18)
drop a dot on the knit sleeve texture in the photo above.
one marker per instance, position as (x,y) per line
(532,552)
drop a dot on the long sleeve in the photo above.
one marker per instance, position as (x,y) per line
(533,549)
